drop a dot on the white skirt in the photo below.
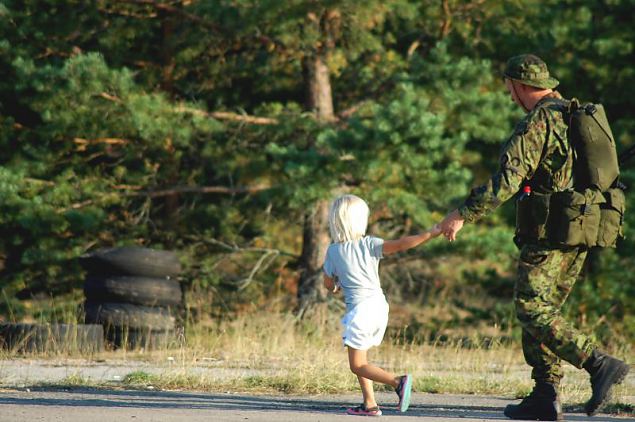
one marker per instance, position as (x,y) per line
(365,324)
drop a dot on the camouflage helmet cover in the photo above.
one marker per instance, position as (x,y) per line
(530,70)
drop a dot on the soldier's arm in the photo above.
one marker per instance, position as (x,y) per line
(519,160)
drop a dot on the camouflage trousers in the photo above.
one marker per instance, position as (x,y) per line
(545,279)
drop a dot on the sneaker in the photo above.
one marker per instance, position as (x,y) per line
(403,391)
(362,410)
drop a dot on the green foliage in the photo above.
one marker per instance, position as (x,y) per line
(601,300)
(399,155)
(107,117)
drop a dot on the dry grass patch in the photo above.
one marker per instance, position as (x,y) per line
(276,353)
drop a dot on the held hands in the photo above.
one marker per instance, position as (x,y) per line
(451,224)
(434,231)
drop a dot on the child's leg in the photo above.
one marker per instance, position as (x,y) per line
(367,392)
(360,367)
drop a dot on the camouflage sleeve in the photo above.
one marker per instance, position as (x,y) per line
(519,160)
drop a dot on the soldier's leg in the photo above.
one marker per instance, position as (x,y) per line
(544,282)
(546,366)
(545,278)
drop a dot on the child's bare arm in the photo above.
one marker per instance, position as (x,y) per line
(409,242)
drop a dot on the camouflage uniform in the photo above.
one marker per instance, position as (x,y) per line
(539,154)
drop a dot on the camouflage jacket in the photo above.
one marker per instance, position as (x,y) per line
(537,153)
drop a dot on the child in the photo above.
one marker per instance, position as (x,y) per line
(352,263)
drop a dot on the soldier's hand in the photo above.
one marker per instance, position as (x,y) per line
(451,224)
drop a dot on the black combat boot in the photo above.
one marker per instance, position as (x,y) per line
(542,404)
(606,371)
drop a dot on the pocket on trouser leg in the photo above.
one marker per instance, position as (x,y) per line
(538,272)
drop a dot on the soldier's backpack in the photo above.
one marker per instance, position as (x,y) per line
(592,214)
(589,132)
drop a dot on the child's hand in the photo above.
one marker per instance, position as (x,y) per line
(435,230)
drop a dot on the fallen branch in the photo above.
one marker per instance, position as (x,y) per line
(345,114)
(225,115)
(175,10)
(242,118)
(82,143)
(78,205)
(199,189)
(236,249)
(263,263)
(218,115)
(158,193)
(268,257)
(110,97)
(39,181)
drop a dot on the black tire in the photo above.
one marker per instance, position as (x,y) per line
(52,338)
(137,261)
(139,338)
(136,290)
(127,315)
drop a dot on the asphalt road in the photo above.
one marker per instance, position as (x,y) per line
(95,405)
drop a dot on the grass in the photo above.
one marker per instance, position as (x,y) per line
(76,380)
(272,352)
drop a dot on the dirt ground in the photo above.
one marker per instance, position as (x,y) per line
(94,405)
(30,391)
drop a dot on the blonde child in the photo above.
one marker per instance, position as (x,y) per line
(352,264)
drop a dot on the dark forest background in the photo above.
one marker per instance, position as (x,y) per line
(221,130)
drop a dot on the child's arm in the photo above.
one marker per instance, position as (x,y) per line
(330,284)
(409,242)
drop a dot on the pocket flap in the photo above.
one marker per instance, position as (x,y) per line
(568,198)
(540,207)
(593,196)
(615,199)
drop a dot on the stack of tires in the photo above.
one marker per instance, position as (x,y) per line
(133,293)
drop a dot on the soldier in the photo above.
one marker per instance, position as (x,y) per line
(538,154)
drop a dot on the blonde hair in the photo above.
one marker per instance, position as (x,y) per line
(348,218)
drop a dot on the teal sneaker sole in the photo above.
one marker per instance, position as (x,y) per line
(404,403)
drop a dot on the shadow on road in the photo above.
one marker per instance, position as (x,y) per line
(86,397)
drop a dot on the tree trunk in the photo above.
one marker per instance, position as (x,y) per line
(318,83)
(315,238)
(167,84)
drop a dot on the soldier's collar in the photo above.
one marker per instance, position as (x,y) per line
(553,95)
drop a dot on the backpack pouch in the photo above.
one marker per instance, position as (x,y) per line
(574,218)
(531,217)
(611,218)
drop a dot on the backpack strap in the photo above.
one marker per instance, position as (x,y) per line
(566,107)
